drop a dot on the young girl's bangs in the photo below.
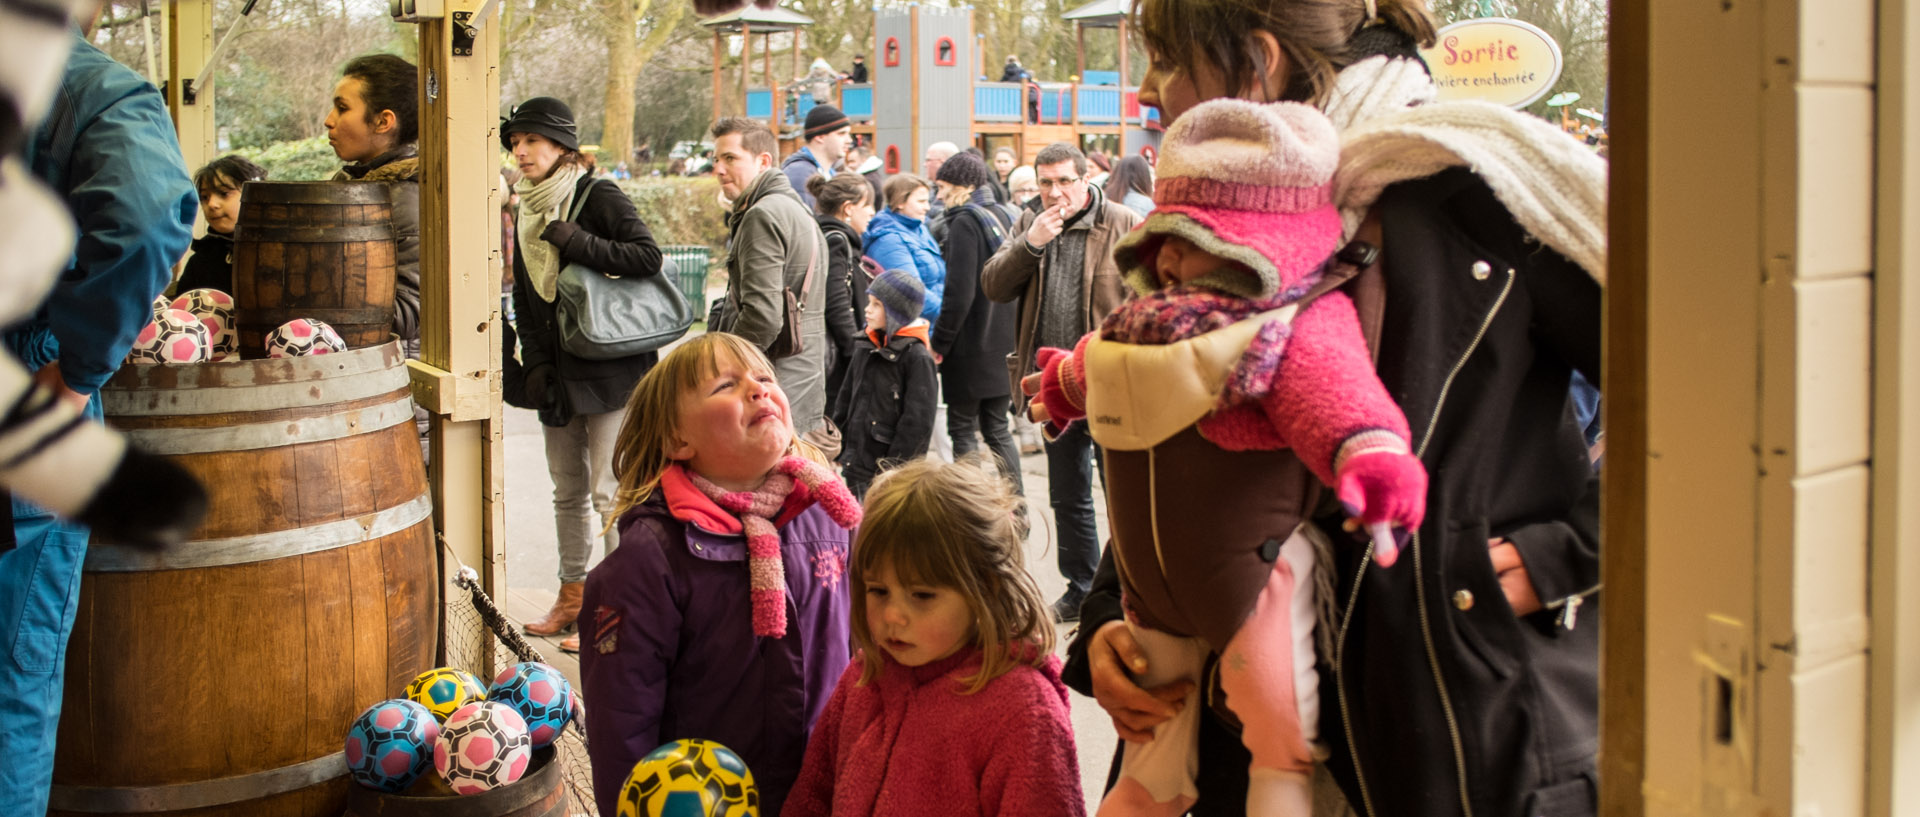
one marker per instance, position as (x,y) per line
(904,530)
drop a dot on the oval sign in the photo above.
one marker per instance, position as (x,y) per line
(1503,61)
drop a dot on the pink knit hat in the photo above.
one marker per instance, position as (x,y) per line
(1249,182)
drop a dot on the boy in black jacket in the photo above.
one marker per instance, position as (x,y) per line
(887,403)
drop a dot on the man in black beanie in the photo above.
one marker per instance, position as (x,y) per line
(828,133)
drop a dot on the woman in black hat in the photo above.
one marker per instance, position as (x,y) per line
(581,402)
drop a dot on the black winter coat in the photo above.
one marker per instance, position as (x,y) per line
(846,314)
(210,266)
(1480,357)
(612,239)
(974,334)
(886,406)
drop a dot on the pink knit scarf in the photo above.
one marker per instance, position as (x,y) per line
(757,509)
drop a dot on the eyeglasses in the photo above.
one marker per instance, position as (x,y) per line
(1051,184)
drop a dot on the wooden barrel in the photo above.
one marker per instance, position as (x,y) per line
(320,250)
(219,677)
(541,793)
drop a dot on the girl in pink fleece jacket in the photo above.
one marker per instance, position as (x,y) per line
(1233,373)
(954,705)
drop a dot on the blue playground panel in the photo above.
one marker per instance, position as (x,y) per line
(1054,107)
(759,103)
(856,101)
(998,102)
(1099,78)
(1099,106)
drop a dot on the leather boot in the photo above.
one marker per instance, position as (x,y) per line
(570,644)
(566,608)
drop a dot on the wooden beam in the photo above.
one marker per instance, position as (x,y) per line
(719,59)
(1079,51)
(1126,77)
(746,64)
(458,374)
(189,41)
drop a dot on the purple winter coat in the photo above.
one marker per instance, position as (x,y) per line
(668,650)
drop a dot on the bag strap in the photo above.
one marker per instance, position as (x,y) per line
(813,260)
(996,231)
(580,199)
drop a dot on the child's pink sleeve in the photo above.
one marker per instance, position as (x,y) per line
(812,792)
(1032,770)
(1063,383)
(1326,390)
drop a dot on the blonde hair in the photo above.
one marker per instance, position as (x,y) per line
(652,425)
(954,526)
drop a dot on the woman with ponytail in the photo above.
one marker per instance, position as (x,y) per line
(1464,679)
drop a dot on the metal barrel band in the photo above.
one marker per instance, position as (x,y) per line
(137,402)
(201,794)
(255,436)
(341,234)
(260,547)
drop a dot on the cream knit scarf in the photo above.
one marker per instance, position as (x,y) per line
(1392,131)
(541,204)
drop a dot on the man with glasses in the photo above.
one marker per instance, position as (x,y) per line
(1058,263)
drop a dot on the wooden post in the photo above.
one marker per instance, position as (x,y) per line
(457,378)
(746,64)
(1079,52)
(719,59)
(1126,77)
(190,40)
(913,71)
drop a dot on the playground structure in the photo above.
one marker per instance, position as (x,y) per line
(925,58)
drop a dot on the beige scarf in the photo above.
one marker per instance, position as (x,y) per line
(541,204)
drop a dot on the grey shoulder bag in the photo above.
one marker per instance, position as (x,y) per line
(602,317)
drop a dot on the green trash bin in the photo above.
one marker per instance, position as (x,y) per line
(691,261)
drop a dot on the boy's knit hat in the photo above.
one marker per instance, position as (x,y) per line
(1246,181)
(902,294)
(824,119)
(964,170)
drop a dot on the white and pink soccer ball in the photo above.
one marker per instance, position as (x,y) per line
(215,309)
(303,336)
(174,336)
(483,746)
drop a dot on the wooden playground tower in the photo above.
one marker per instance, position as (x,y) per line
(924,58)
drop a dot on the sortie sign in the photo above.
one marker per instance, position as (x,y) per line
(1503,61)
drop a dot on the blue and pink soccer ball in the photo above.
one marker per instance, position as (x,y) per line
(483,746)
(540,694)
(391,744)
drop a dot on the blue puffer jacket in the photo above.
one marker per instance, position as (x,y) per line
(897,242)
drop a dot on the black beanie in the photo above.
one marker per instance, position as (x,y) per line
(964,170)
(824,119)
(543,115)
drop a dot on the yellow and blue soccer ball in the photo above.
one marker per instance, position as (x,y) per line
(540,694)
(391,744)
(444,690)
(690,778)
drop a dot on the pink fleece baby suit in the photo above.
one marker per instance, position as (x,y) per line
(1250,184)
(912,742)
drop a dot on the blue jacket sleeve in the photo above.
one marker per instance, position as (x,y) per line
(890,251)
(133,201)
(632,610)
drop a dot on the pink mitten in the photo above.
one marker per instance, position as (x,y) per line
(1382,486)
(1062,390)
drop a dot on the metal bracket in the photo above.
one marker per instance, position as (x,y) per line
(464,33)
(188,96)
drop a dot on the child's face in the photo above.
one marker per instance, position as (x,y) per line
(221,207)
(916,624)
(734,425)
(1179,261)
(876,315)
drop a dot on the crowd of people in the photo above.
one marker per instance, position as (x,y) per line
(1353,510)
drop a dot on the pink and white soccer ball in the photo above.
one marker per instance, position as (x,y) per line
(215,309)
(483,746)
(173,337)
(304,336)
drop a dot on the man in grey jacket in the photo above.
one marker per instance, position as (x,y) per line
(773,244)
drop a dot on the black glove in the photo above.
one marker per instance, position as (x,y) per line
(559,233)
(539,381)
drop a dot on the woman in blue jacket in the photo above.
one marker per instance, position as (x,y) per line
(897,238)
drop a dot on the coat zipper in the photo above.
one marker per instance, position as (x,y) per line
(1420,592)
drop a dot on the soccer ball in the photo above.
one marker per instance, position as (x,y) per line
(215,309)
(690,778)
(540,694)
(303,336)
(391,744)
(444,690)
(161,304)
(173,337)
(483,746)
